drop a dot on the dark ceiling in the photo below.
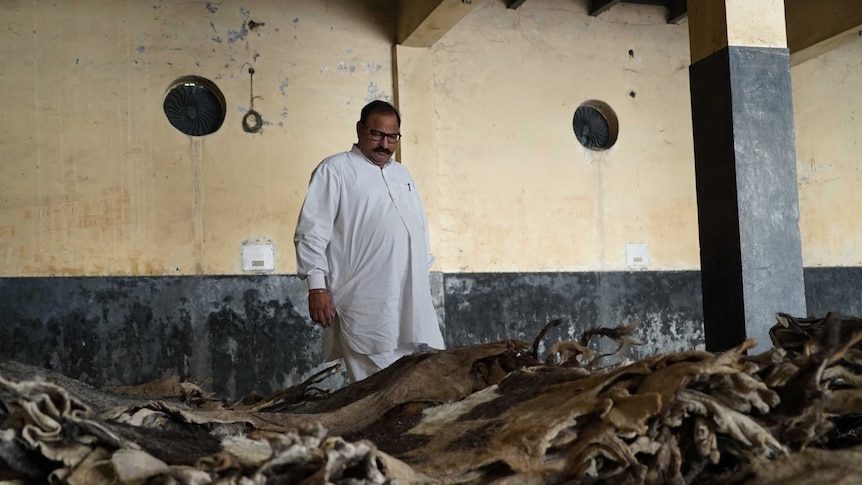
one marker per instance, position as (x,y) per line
(676,9)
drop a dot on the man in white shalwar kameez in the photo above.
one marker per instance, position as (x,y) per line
(362,245)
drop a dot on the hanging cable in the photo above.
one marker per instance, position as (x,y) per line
(252,121)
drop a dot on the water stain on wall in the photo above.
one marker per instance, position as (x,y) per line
(110,208)
(486,307)
(232,335)
(264,344)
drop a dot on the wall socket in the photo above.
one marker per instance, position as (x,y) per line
(637,254)
(258,257)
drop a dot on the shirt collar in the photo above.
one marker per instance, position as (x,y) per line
(357,151)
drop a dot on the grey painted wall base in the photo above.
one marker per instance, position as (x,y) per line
(235,334)
(238,334)
(486,307)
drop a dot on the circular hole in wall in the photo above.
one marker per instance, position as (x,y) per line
(195,106)
(596,125)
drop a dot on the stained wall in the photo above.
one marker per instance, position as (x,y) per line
(97,182)
(512,174)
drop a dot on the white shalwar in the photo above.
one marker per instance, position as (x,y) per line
(362,233)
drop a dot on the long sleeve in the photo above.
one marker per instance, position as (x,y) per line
(314,228)
(363,234)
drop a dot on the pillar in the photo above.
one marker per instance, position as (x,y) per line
(745,165)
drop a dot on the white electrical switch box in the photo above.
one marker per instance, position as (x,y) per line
(637,254)
(258,257)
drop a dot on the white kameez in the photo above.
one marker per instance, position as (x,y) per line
(362,233)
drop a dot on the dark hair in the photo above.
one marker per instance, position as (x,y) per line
(378,106)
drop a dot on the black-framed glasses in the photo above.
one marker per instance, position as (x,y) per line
(377,135)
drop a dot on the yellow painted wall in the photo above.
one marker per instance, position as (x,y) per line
(518,192)
(95,181)
(828,116)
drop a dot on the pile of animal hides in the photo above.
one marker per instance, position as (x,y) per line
(489,413)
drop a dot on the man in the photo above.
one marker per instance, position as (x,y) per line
(362,246)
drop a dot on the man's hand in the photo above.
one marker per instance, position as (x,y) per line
(320,307)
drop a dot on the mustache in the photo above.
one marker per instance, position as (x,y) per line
(383,150)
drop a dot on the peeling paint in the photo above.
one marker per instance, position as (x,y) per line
(485,307)
(235,35)
(811,171)
(242,33)
(669,332)
(375,93)
(211,7)
(371,68)
(282,86)
(343,66)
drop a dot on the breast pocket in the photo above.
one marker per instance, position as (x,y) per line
(409,198)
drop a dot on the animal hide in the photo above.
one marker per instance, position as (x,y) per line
(476,414)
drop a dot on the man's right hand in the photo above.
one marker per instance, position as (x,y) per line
(320,308)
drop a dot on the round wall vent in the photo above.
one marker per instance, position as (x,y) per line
(595,125)
(195,106)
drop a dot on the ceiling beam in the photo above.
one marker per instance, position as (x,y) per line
(421,23)
(815,27)
(677,11)
(599,6)
(648,2)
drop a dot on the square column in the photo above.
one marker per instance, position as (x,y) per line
(745,165)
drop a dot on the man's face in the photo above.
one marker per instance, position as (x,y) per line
(378,152)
